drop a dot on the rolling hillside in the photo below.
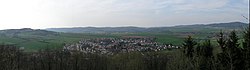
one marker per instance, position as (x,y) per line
(188,28)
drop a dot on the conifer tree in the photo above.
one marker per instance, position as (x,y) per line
(188,45)
(221,41)
(234,52)
(205,54)
(207,49)
(232,42)
(246,47)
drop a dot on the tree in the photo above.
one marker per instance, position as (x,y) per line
(234,52)
(232,42)
(221,41)
(246,47)
(205,49)
(188,45)
(204,55)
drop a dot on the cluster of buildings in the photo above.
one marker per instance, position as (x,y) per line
(115,45)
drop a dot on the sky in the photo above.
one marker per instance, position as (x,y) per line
(40,14)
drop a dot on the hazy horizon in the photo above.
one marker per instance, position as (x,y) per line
(41,14)
(122,26)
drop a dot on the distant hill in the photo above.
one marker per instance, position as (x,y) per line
(106,29)
(234,25)
(218,25)
(97,30)
(230,25)
(28,31)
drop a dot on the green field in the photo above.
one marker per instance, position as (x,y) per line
(33,42)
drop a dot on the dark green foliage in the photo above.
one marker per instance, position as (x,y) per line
(234,52)
(232,42)
(221,41)
(188,45)
(9,57)
(204,55)
(205,49)
(246,46)
(13,59)
(233,56)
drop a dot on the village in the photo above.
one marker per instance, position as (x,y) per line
(117,45)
